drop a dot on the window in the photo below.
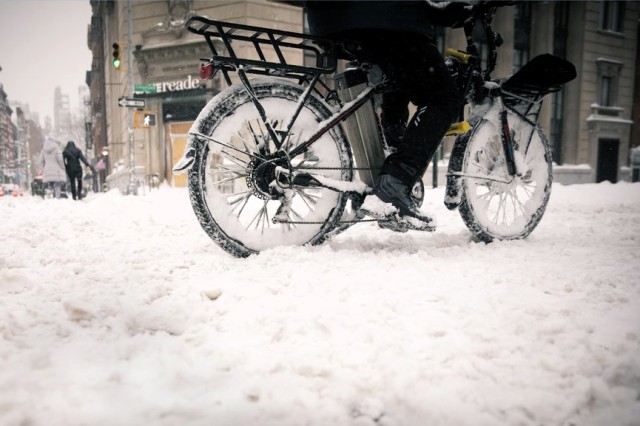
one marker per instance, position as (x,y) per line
(608,80)
(605,91)
(611,14)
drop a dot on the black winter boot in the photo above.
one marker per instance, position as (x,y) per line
(391,201)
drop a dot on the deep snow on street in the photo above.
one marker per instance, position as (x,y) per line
(121,311)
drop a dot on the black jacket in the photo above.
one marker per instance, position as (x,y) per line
(72,157)
(327,18)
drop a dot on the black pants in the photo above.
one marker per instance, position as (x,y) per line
(75,179)
(418,75)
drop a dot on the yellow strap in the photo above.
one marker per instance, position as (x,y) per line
(464,57)
(459,128)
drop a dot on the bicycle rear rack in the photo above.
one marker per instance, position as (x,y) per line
(258,50)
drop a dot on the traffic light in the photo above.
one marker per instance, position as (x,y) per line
(116,56)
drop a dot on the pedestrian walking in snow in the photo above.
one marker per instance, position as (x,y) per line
(72,158)
(52,164)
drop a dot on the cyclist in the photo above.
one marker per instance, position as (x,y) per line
(399,36)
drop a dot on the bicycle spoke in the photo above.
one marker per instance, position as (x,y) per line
(257,217)
(245,200)
(308,199)
(229,179)
(245,143)
(489,195)
(514,204)
(523,209)
(526,189)
(217,142)
(234,159)
(260,146)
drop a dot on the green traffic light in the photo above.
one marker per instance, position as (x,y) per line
(116,56)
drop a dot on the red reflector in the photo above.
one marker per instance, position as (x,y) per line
(206,71)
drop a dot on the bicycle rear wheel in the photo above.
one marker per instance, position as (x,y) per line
(231,181)
(494,204)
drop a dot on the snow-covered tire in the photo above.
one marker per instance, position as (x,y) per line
(490,207)
(230,203)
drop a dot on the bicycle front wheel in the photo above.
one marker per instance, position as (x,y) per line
(235,169)
(494,204)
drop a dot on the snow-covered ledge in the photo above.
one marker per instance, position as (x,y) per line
(121,176)
(569,174)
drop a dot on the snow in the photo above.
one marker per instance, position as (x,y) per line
(120,311)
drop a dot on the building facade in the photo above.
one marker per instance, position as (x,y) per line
(160,65)
(588,123)
(8,151)
(61,115)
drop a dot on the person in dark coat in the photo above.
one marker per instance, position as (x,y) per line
(72,157)
(399,36)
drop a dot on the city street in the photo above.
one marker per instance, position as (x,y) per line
(119,310)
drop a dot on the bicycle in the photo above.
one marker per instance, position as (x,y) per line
(269,163)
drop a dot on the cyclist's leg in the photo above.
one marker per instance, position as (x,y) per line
(417,70)
(434,92)
(395,113)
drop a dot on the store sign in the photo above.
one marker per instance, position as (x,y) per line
(145,88)
(189,83)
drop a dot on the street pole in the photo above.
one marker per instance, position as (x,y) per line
(133,189)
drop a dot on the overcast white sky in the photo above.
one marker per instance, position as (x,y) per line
(43,44)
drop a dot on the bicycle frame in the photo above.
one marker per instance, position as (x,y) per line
(474,81)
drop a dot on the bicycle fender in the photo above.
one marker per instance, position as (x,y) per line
(186,161)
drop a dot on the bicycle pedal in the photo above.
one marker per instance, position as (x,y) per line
(403,224)
(392,225)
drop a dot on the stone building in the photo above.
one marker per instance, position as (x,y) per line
(7,140)
(588,123)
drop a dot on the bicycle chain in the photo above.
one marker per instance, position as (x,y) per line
(340,222)
(334,168)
